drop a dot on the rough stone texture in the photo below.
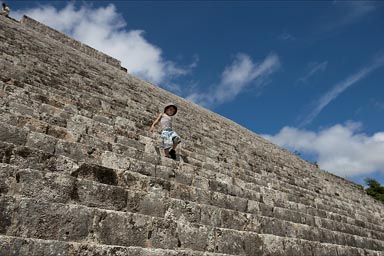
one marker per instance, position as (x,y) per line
(81,175)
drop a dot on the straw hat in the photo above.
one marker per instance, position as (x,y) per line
(168,105)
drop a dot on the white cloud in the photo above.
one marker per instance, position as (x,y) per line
(314,68)
(105,29)
(235,78)
(332,94)
(354,10)
(285,36)
(340,149)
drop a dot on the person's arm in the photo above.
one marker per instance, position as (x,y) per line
(156,122)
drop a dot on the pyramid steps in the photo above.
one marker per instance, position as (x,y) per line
(81,174)
(50,145)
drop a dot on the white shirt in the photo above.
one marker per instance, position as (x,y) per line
(166,122)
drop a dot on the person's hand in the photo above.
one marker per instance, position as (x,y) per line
(151,129)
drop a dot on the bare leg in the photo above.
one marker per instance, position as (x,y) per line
(175,145)
(166,151)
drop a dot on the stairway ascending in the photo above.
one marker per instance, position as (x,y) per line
(81,175)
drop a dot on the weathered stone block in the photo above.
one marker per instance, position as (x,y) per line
(183,211)
(147,203)
(195,237)
(12,134)
(11,246)
(51,187)
(42,142)
(94,194)
(238,243)
(74,151)
(7,178)
(25,158)
(38,219)
(96,173)
(115,161)
(163,234)
(7,206)
(123,229)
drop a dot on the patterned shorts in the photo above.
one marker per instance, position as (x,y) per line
(169,137)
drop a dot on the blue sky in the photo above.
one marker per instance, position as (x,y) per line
(307,75)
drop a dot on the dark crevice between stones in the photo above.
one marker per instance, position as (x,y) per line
(75,193)
(96,173)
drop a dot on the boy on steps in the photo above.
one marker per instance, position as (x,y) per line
(170,137)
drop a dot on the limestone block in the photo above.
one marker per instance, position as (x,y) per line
(95,144)
(7,178)
(123,229)
(93,194)
(31,124)
(25,157)
(134,181)
(50,187)
(183,192)
(96,173)
(142,167)
(12,134)
(167,173)
(53,120)
(37,219)
(54,111)
(123,123)
(235,220)
(78,125)
(201,182)
(11,246)
(72,150)
(103,119)
(60,133)
(183,211)
(238,243)
(211,215)
(217,186)
(127,141)
(115,161)
(7,207)
(23,110)
(253,207)
(61,164)
(102,131)
(42,142)
(229,202)
(69,108)
(147,203)
(195,237)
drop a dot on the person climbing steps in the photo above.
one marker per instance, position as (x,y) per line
(170,138)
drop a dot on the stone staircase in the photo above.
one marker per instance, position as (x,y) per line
(81,175)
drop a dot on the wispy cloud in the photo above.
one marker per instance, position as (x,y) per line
(340,149)
(106,30)
(285,36)
(352,11)
(312,69)
(235,78)
(339,88)
(379,105)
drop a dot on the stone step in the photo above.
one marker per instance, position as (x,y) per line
(51,149)
(123,164)
(149,200)
(41,62)
(103,134)
(36,219)
(17,246)
(129,229)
